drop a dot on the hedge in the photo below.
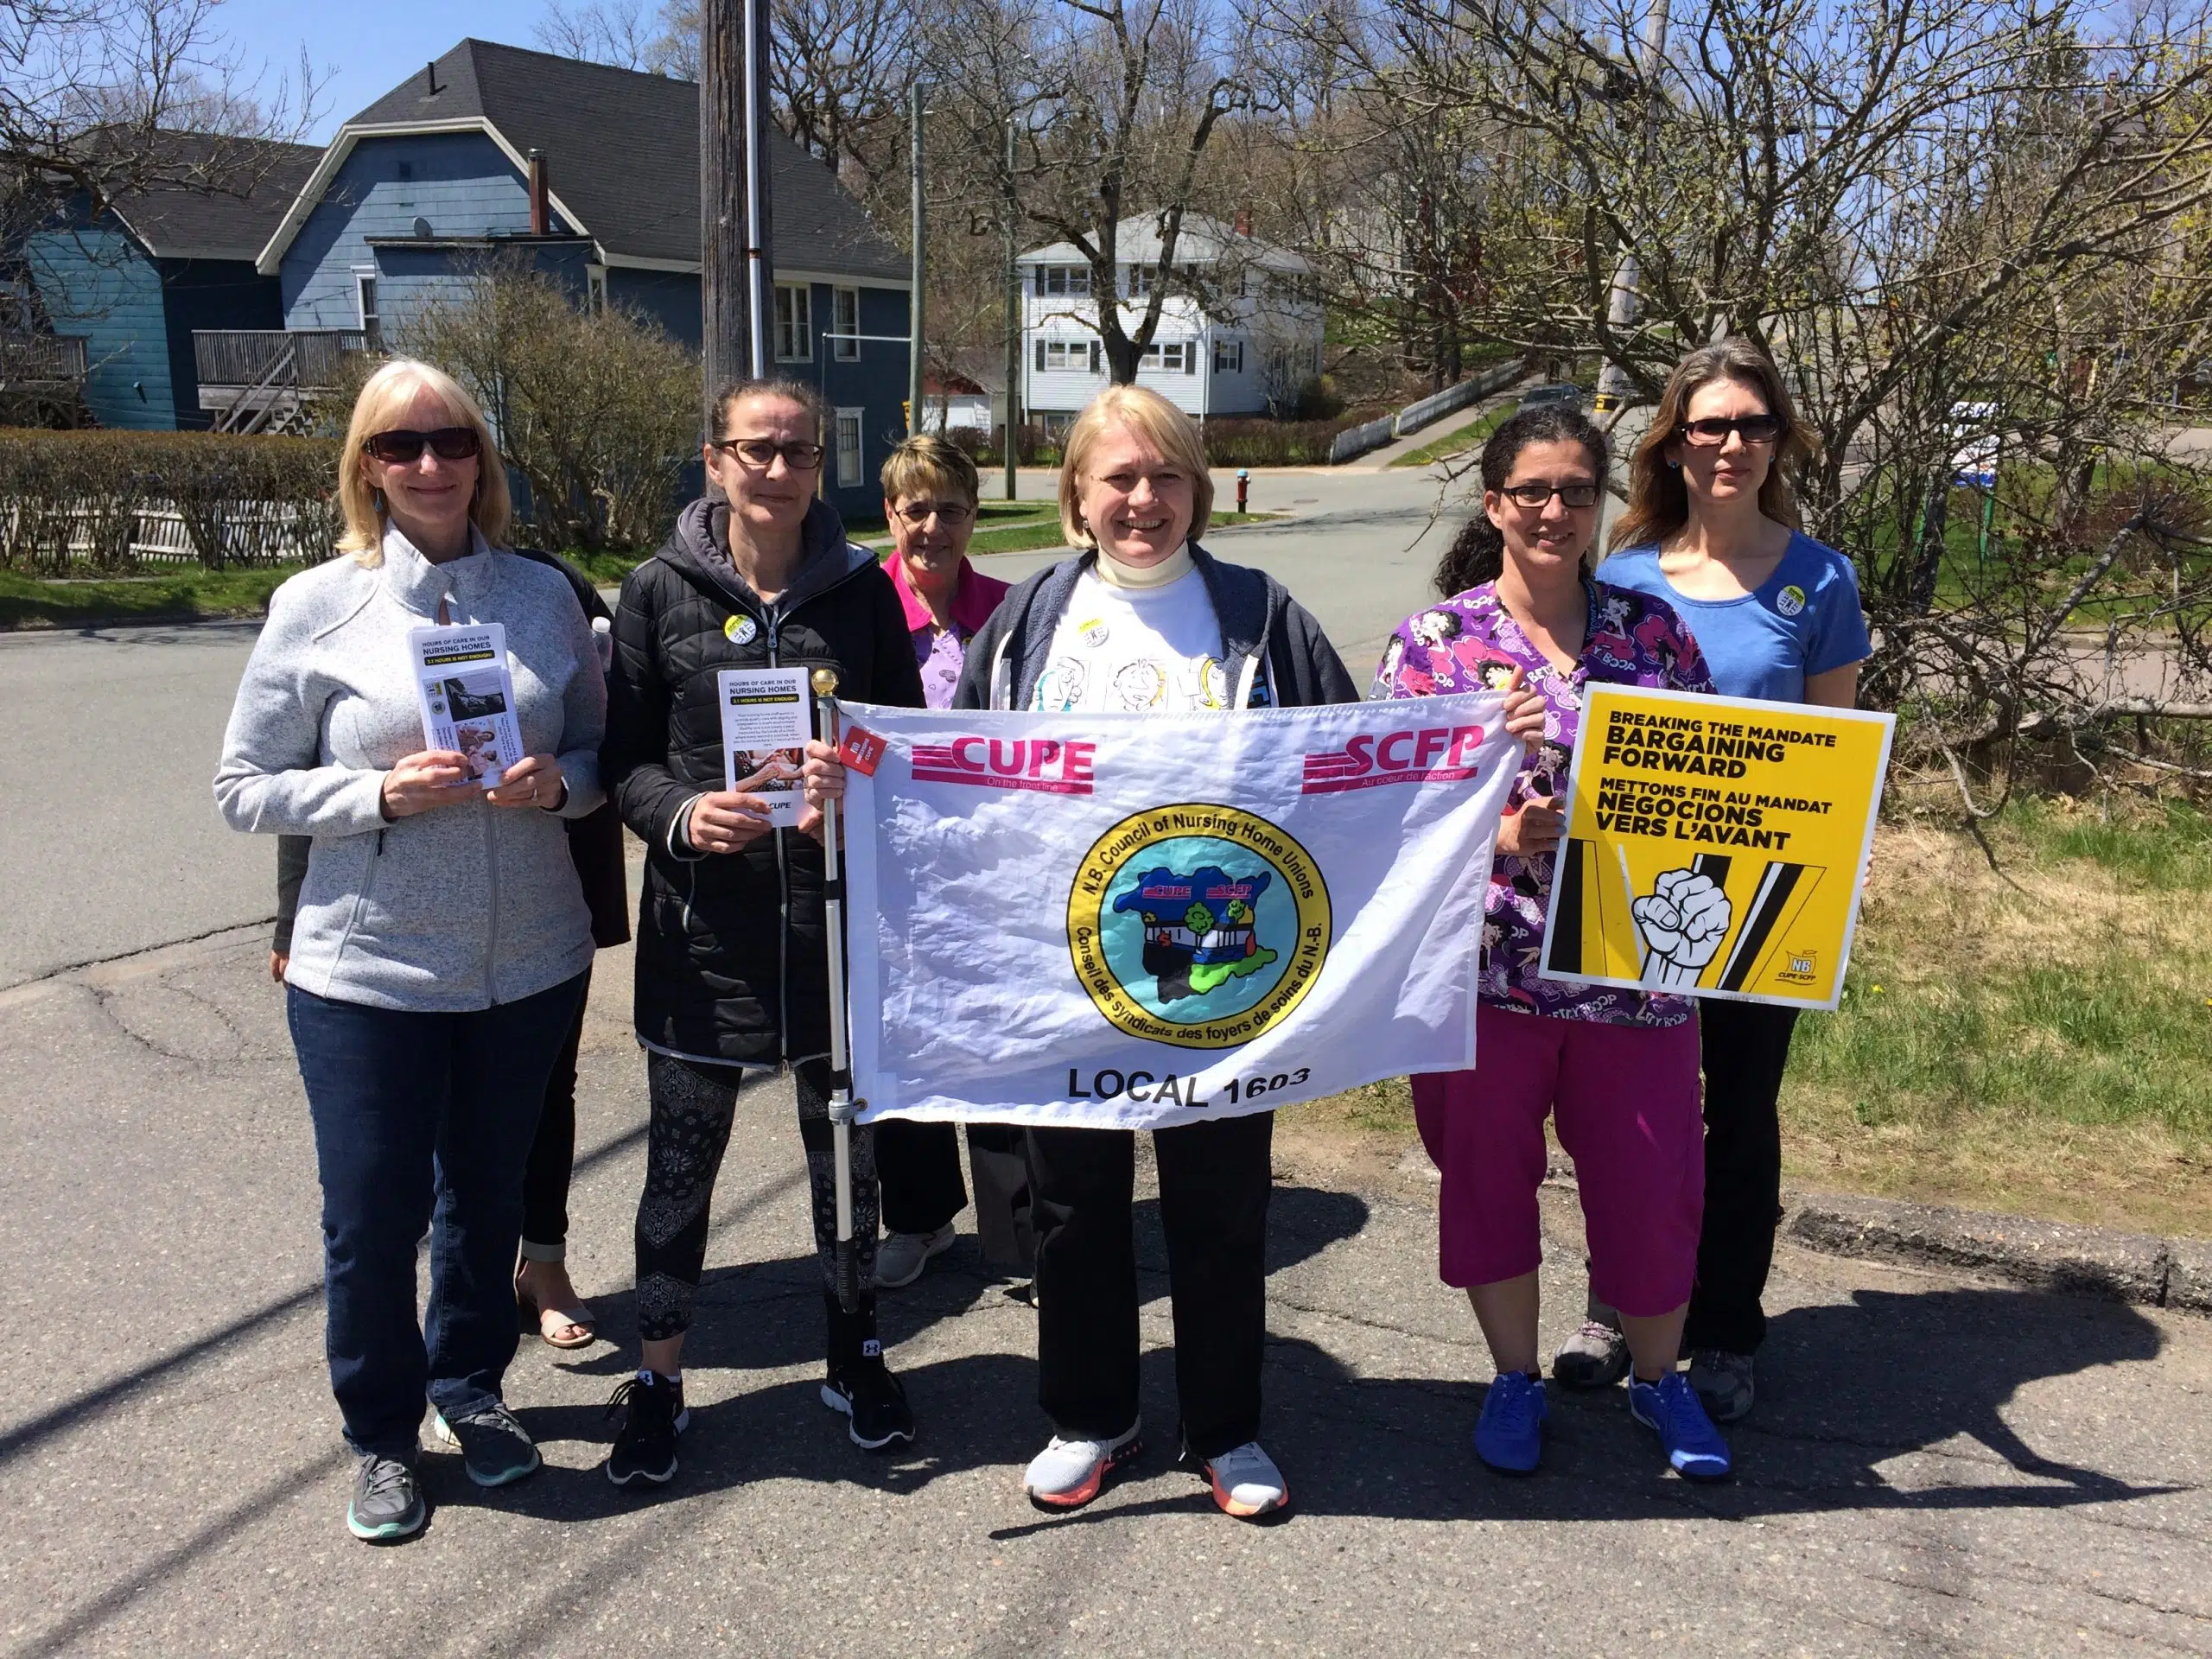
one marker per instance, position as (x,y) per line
(121,500)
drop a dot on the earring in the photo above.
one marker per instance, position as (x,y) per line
(1674,466)
(377,497)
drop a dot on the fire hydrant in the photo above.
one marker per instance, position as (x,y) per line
(1244,487)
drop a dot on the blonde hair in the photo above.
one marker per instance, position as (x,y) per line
(1658,500)
(1166,428)
(928,465)
(387,392)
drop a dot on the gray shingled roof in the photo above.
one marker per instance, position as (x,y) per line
(229,196)
(622,151)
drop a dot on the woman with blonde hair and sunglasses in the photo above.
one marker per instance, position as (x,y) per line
(1713,528)
(443,940)
(1145,619)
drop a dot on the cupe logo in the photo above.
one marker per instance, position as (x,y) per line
(1039,763)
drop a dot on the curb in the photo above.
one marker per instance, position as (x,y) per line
(2057,1256)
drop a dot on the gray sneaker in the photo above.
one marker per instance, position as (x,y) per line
(1723,1382)
(495,1449)
(1595,1357)
(387,1502)
(901,1256)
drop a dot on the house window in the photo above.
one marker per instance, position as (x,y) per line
(595,287)
(1173,356)
(1070,281)
(850,457)
(406,172)
(1067,356)
(845,324)
(1140,281)
(794,323)
(1228,357)
(365,294)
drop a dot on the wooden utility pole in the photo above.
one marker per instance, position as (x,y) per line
(733,208)
(919,275)
(1013,318)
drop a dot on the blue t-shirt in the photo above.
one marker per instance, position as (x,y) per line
(1803,620)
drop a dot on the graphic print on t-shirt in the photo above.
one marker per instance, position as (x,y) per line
(1149,652)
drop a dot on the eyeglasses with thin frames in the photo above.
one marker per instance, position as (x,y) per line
(1713,431)
(759,454)
(1535,493)
(950,515)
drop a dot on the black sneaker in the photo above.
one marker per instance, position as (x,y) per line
(387,1502)
(871,1397)
(495,1449)
(645,1447)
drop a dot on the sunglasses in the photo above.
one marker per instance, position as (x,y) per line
(403,448)
(1711,432)
(949,514)
(760,454)
(1535,493)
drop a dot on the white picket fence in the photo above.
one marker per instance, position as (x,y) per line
(254,533)
(1358,441)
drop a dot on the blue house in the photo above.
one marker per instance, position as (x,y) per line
(593,174)
(117,294)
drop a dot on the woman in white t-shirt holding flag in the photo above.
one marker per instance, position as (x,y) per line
(1146,621)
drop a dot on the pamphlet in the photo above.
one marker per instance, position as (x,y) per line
(468,698)
(764,729)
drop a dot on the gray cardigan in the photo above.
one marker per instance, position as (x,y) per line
(446,911)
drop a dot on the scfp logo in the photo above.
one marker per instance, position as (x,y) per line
(1415,755)
(1039,763)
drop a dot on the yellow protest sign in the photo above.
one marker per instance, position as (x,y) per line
(1715,846)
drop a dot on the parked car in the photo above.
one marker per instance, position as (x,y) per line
(1556,392)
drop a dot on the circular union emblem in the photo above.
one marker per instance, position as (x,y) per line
(1197,925)
(741,629)
(1790,599)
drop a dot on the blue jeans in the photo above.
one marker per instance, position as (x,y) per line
(415,1113)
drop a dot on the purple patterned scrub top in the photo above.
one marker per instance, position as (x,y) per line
(1471,643)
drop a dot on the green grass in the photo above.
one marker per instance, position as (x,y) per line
(1456,442)
(186,593)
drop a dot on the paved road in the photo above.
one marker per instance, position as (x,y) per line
(1938,1466)
(109,838)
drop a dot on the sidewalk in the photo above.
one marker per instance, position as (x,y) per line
(1937,1463)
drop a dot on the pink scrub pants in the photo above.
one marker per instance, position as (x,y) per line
(1628,1107)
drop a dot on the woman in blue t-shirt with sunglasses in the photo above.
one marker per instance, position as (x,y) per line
(1712,529)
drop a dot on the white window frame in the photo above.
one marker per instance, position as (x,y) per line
(794,322)
(845,325)
(595,287)
(365,301)
(1228,357)
(1064,282)
(852,460)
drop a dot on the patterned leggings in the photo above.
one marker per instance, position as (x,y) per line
(692,1108)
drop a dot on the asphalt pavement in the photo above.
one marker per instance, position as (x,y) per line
(1935,1466)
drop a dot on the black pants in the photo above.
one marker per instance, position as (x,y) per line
(918,1165)
(1214,1180)
(553,1152)
(1746,1048)
(692,1108)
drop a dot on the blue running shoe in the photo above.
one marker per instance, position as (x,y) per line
(1511,1436)
(1671,1408)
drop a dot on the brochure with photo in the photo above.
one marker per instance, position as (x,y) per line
(765,728)
(468,698)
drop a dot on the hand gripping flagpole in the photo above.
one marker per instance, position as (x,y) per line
(842,1107)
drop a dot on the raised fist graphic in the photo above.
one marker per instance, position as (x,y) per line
(1683,921)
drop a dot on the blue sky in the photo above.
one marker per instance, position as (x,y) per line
(362,51)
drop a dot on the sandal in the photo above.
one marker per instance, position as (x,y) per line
(548,1321)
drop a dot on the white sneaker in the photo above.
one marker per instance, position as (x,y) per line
(1246,1482)
(1067,1474)
(901,1256)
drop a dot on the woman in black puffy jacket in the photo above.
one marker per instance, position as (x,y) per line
(732,970)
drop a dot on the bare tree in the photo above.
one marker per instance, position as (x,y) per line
(625,34)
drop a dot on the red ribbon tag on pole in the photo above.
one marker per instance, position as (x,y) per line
(862,750)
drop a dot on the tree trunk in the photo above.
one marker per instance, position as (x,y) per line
(726,340)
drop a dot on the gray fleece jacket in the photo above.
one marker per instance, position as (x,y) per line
(446,911)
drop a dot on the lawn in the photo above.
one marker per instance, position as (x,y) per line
(1458,442)
(187,593)
(2035,1039)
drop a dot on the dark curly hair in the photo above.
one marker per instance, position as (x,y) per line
(1477,552)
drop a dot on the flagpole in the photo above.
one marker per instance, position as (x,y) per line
(842,1107)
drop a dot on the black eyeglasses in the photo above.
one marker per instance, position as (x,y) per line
(950,514)
(760,454)
(1535,493)
(1713,431)
(400,448)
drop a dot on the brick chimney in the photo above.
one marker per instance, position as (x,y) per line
(541,216)
(1243,221)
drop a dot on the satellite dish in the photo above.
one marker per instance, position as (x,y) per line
(422,229)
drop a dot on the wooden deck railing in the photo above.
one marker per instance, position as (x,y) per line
(53,358)
(242,357)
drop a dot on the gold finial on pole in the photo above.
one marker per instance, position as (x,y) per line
(826,682)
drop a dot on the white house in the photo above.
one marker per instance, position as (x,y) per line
(1240,332)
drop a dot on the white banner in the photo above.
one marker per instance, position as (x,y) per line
(1139,920)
